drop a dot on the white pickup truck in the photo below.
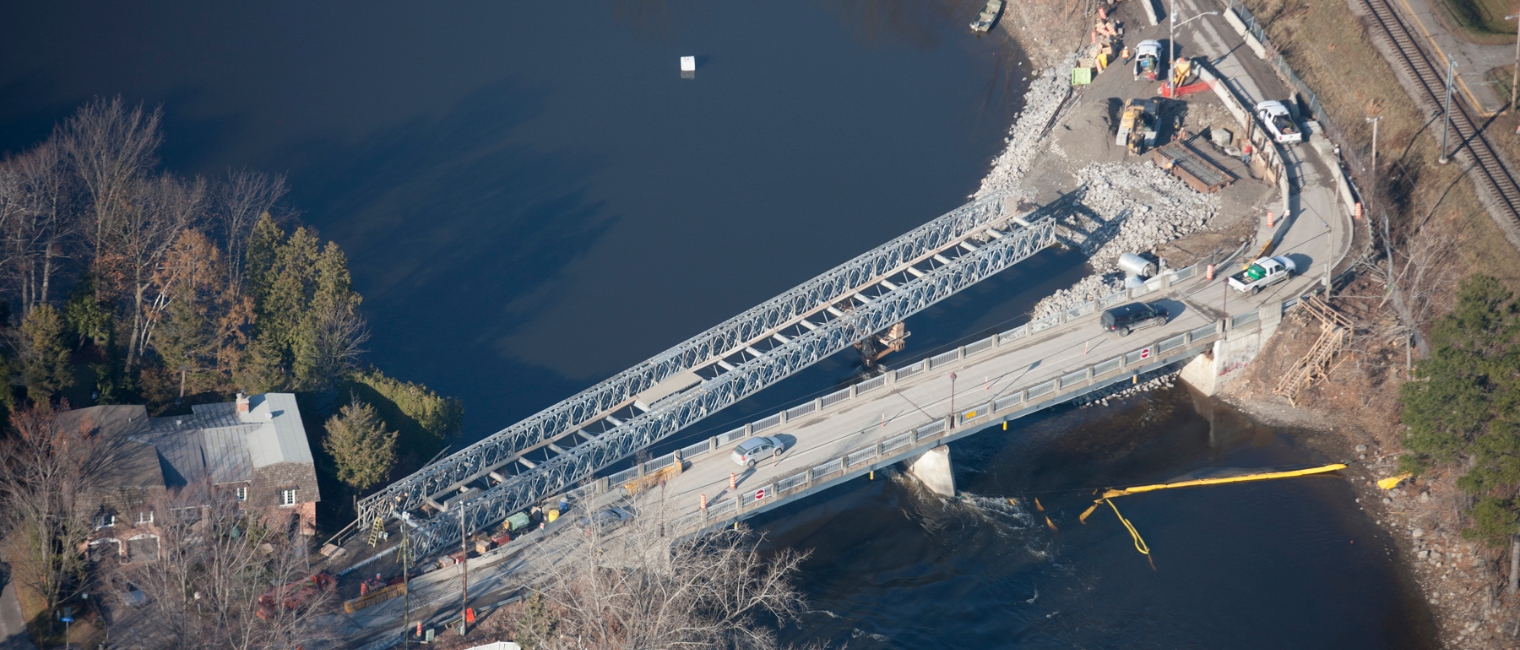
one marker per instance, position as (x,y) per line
(1262,272)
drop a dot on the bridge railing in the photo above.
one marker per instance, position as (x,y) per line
(1026,395)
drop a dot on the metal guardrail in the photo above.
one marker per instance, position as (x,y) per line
(1171,344)
(904,373)
(939,360)
(1013,334)
(833,398)
(1044,323)
(979,346)
(766,423)
(1243,319)
(801,410)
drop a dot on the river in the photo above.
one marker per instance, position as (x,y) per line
(532,198)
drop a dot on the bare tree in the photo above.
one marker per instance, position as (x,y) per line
(224,577)
(47,472)
(339,334)
(111,147)
(238,202)
(141,236)
(644,589)
(42,231)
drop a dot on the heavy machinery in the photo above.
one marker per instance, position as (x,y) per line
(873,348)
(1137,125)
(1183,73)
(1147,60)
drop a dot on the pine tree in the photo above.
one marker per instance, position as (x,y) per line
(360,446)
(262,369)
(1466,406)
(45,362)
(535,626)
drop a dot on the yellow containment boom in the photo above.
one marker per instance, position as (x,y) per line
(1139,489)
(1393,481)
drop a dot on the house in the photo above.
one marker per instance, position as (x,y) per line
(253,450)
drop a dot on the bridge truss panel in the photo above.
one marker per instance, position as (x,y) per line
(506,446)
(583,461)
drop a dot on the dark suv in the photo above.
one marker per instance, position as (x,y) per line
(1125,318)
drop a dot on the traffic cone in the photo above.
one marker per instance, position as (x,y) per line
(1209,273)
(1269,219)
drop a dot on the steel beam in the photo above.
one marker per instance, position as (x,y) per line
(565,471)
(705,349)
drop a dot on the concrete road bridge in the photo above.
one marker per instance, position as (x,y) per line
(905,416)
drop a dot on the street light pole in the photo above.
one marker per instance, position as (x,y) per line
(1451,67)
(952,400)
(464,569)
(1171,42)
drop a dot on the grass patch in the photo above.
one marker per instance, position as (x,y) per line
(1481,20)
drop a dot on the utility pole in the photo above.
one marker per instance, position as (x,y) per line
(406,582)
(1374,121)
(464,571)
(1451,67)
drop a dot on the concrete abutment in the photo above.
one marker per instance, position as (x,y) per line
(932,468)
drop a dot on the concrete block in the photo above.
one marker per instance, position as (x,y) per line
(1202,373)
(1256,46)
(933,470)
(1235,22)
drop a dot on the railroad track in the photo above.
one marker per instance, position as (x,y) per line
(1489,173)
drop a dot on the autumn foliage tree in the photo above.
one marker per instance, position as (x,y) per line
(197,321)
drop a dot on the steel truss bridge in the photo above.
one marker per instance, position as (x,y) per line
(569,442)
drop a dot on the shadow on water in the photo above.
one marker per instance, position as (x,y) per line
(439,197)
(1289,563)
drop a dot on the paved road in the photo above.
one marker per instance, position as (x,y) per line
(12,625)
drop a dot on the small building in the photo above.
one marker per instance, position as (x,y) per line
(253,450)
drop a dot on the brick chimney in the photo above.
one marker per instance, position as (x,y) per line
(242,403)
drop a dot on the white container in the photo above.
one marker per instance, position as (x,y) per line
(688,64)
(1135,265)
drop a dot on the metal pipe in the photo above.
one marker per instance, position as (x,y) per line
(1451,67)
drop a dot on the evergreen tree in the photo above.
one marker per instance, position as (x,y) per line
(45,362)
(535,626)
(87,316)
(1466,406)
(360,446)
(262,369)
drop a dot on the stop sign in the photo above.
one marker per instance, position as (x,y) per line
(759,494)
(1145,353)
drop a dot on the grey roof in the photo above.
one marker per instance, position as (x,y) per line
(215,441)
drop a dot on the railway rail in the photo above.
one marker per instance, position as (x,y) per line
(1488,172)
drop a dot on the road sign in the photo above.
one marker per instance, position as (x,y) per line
(759,494)
(1145,353)
(68,619)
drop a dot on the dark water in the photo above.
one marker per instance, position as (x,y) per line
(532,199)
(1280,564)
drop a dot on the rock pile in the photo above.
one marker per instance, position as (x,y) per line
(1041,103)
(1132,208)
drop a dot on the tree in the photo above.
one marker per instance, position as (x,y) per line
(1465,407)
(196,321)
(45,356)
(110,147)
(224,577)
(334,327)
(47,470)
(86,315)
(262,370)
(239,202)
(360,446)
(41,235)
(142,235)
(649,591)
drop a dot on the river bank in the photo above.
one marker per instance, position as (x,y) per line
(1351,415)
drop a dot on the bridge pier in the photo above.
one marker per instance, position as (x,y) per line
(932,468)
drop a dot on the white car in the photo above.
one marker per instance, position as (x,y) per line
(755,450)
(1280,122)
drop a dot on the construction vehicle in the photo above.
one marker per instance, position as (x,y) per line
(1262,272)
(873,348)
(294,595)
(1147,60)
(1137,125)
(1183,73)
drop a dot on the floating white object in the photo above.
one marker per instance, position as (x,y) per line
(688,64)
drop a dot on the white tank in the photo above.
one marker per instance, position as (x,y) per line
(1135,265)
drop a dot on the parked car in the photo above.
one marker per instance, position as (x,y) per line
(1262,272)
(1126,318)
(757,449)
(1279,122)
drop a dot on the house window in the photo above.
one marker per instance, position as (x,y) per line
(242,493)
(105,521)
(145,518)
(288,497)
